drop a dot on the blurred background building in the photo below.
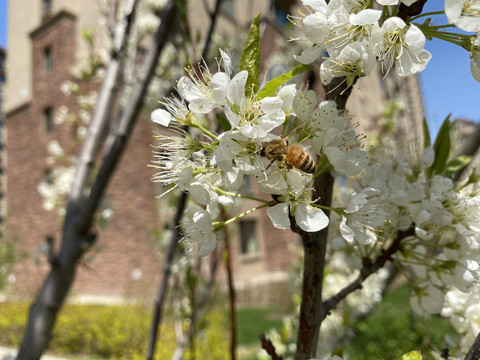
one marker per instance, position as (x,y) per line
(3,209)
(45,43)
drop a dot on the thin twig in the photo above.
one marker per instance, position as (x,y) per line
(213,20)
(269,348)
(167,270)
(368,270)
(231,291)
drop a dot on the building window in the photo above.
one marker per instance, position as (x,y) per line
(48,176)
(47,59)
(248,236)
(46,7)
(48,119)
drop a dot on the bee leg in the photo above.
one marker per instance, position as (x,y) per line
(271,162)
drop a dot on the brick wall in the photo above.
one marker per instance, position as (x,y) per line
(124,247)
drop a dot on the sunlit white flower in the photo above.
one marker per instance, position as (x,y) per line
(465,14)
(253,117)
(175,160)
(355,59)
(342,149)
(427,299)
(475,57)
(307,217)
(363,216)
(161,117)
(199,234)
(54,149)
(401,44)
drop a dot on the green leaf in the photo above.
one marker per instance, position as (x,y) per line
(412,355)
(87,36)
(250,58)
(456,165)
(441,148)
(426,134)
(270,88)
(224,123)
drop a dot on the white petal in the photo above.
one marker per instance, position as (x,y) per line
(201,105)
(475,69)
(428,301)
(287,94)
(227,62)
(161,116)
(199,192)
(415,39)
(236,88)
(310,219)
(365,17)
(387,2)
(345,230)
(219,85)
(308,56)
(279,216)
(206,245)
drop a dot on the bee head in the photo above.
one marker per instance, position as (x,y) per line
(263,151)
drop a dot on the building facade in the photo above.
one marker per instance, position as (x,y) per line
(3,208)
(41,54)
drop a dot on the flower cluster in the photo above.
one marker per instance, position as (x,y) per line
(444,249)
(463,310)
(211,165)
(352,35)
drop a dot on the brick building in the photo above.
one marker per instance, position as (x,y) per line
(2,140)
(32,101)
(41,53)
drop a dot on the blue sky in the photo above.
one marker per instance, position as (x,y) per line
(447,84)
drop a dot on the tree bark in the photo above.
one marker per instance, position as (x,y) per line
(312,309)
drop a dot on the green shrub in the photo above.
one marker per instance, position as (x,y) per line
(116,331)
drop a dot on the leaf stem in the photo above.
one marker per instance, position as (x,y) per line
(221,224)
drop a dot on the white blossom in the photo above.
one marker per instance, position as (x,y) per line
(199,233)
(465,14)
(403,45)
(475,57)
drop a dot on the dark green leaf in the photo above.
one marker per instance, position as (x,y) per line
(426,134)
(224,123)
(272,86)
(250,59)
(441,148)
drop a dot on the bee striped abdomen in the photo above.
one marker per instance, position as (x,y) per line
(300,159)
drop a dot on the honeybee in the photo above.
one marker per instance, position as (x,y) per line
(292,154)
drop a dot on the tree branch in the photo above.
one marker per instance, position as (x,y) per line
(231,290)
(269,348)
(314,248)
(103,108)
(130,113)
(167,270)
(312,311)
(474,352)
(368,270)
